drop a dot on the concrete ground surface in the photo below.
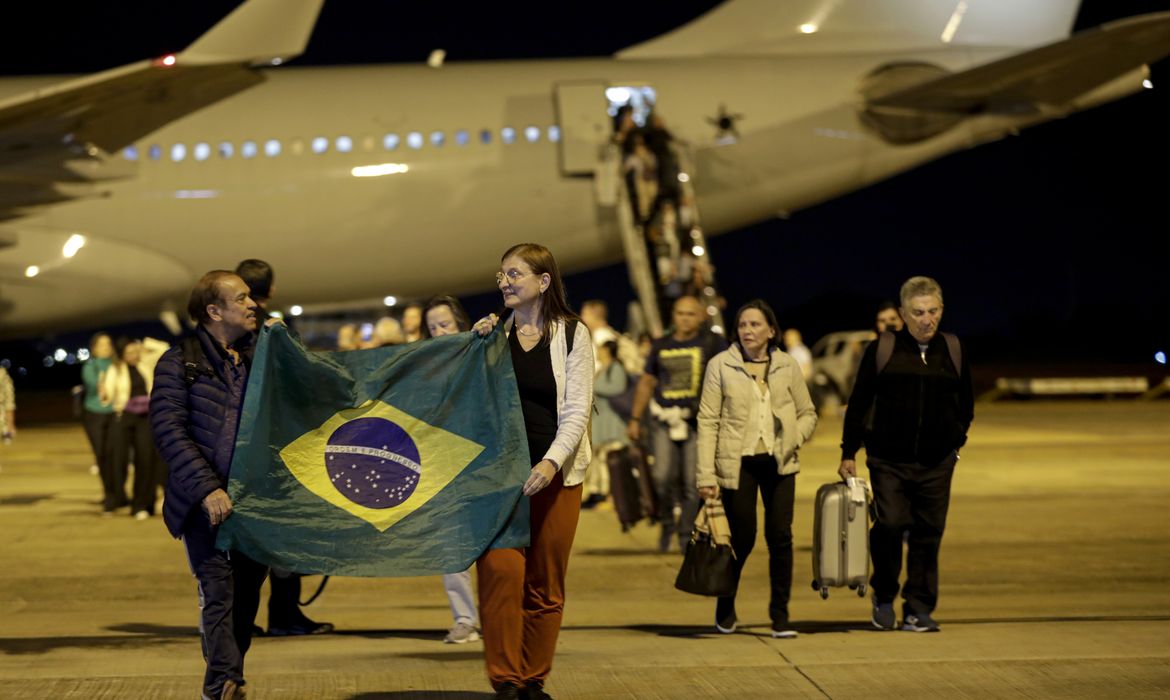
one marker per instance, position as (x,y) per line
(1055,584)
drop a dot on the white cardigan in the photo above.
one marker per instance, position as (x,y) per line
(571,450)
(116,380)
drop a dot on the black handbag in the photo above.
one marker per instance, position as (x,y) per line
(709,565)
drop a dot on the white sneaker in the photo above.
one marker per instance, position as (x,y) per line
(141,515)
(461,633)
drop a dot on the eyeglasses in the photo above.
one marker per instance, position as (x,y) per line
(512,276)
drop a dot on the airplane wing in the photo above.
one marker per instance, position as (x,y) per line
(66,132)
(1049,78)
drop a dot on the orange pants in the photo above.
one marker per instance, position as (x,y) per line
(522,590)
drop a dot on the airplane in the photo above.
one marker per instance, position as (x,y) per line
(360,181)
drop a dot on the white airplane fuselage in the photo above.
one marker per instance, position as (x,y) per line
(441,225)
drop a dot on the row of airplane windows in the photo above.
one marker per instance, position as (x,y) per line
(341,144)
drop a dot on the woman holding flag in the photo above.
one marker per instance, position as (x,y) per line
(521,590)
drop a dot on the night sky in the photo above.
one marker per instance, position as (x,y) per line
(1044,243)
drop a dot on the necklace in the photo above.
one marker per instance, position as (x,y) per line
(521,332)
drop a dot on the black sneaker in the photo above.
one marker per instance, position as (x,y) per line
(508,691)
(919,622)
(534,691)
(724,620)
(883,616)
(783,630)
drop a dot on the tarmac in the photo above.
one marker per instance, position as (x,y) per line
(1055,583)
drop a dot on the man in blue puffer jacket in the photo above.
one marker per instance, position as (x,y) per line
(195,413)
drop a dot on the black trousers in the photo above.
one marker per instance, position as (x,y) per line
(229,596)
(908,498)
(131,432)
(284,609)
(759,474)
(99,429)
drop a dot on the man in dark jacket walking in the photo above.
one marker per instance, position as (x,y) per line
(195,411)
(911,407)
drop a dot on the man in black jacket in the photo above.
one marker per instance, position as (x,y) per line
(195,412)
(911,407)
(284,611)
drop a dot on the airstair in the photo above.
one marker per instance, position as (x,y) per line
(677,261)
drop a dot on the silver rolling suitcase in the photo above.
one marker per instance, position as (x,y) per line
(841,537)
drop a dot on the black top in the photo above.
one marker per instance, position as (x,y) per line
(537,386)
(918,409)
(679,366)
(137,382)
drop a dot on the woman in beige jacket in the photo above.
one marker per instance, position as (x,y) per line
(754,415)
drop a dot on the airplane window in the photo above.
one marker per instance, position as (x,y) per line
(485,136)
(344,144)
(130,153)
(272,148)
(437,138)
(390,142)
(532,134)
(178,152)
(554,134)
(508,135)
(248,149)
(414,140)
(202,150)
(461,137)
(225,150)
(155,152)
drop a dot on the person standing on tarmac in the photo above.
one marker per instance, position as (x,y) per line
(911,407)
(197,445)
(285,618)
(669,390)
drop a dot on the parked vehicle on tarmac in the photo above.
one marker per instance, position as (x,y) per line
(835,360)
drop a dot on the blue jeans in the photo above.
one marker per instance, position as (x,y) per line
(229,595)
(674,474)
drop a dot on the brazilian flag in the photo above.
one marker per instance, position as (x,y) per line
(398,461)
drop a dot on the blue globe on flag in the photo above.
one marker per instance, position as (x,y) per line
(373,462)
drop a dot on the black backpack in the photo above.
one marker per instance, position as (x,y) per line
(885,350)
(194,361)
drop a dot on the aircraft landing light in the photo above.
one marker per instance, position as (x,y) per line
(74,244)
(167,61)
(32,271)
(1160,357)
(379,170)
(1148,84)
(808,28)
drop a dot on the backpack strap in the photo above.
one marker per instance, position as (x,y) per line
(193,358)
(885,350)
(956,351)
(570,335)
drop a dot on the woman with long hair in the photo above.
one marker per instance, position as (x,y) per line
(522,590)
(126,387)
(754,415)
(444,315)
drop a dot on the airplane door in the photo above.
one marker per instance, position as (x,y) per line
(585,125)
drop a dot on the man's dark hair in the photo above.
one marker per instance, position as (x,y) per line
(206,292)
(258,275)
(885,306)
